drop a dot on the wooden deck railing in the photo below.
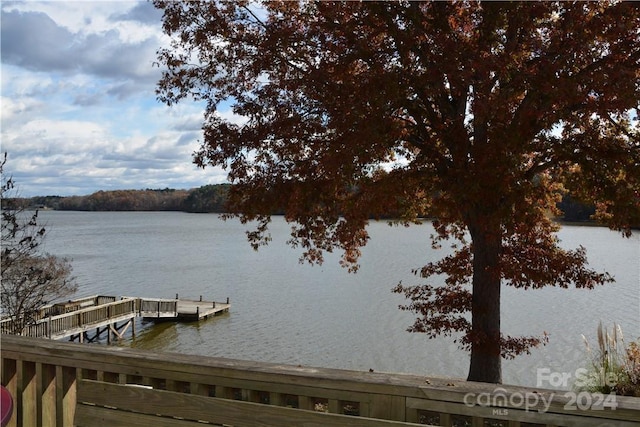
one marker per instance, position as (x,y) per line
(42,376)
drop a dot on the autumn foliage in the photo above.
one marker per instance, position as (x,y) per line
(479,115)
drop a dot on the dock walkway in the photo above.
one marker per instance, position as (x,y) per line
(76,318)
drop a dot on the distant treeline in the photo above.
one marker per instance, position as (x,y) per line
(209,198)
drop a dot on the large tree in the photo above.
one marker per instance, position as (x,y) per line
(29,278)
(478,115)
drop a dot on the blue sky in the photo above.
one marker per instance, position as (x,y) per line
(79,111)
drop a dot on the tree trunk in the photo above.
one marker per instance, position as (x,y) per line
(486,361)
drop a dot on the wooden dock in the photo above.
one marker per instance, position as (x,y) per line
(79,318)
(180,309)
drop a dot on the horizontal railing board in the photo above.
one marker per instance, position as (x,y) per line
(560,401)
(566,418)
(199,369)
(87,415)
(215,410)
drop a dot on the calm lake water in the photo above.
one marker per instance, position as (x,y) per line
(286,312)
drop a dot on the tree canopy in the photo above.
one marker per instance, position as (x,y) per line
(479,115)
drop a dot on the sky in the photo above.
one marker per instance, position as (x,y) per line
(79,109)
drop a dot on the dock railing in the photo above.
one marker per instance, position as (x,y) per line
(42,374)
(59,308)
(71,322)
(63,307)
(157,307)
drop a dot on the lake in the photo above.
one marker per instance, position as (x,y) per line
(291,313)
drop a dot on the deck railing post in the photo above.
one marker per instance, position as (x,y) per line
(49,327)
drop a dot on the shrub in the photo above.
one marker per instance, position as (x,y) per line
(614,367)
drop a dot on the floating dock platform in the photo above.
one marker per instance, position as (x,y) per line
(181,309)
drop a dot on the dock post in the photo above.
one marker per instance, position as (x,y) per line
(176,296)
(227,300)
(214,304)
(200,298)
(198,312)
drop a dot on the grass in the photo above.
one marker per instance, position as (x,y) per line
(614,366)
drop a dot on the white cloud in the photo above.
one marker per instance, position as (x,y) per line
(19,110)
(79,112)
(231,117)
(50,40)
(95,17)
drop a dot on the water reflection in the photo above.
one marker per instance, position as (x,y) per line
(154,335)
